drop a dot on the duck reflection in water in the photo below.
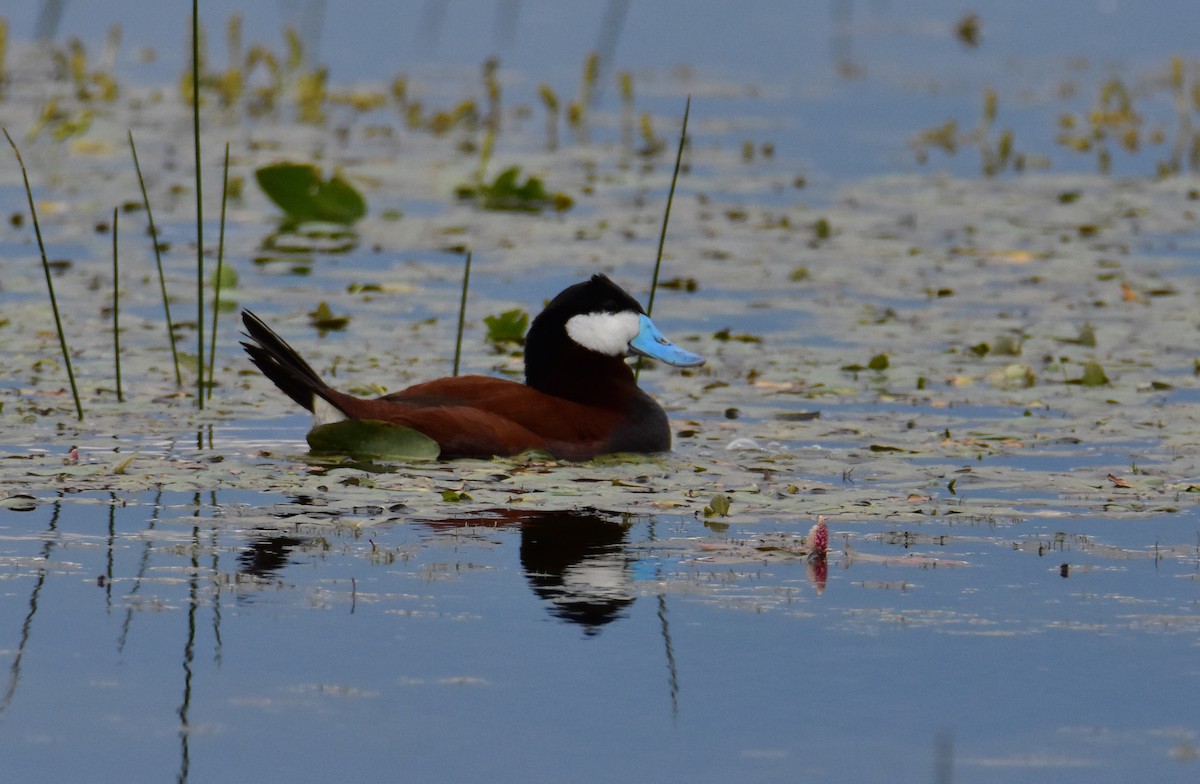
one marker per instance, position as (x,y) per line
(266,555)
(574,560)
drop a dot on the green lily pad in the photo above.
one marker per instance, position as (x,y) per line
(298,190)
(508,327)
(719,506)
(323,318)
(508,193)
(1093,375)
(373,439)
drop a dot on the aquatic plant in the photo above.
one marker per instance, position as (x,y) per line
(367,439)
(508,193)
(718,506)
(199,204)
(577,110)
(818,538)
(1113,119)
(625,88)
(37,229)
(996,153)
(550,101)
(662,235)
(116,309)
(299,190)
(89,85)
(219,278)
(508,327)
(1093,376)
(162,280)
(63,124)
(324,319)
(462,312)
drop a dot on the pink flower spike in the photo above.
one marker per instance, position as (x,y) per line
(818,538)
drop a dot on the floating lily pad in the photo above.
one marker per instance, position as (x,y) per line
(507,327)
(372,439)
(718,506)
(323,318)
(298,190)
(1093,375)
(507,192)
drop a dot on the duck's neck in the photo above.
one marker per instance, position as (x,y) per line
(586,378)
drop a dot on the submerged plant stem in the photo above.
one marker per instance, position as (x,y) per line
(162,280)
(37,229)
(117,312)
(462,312)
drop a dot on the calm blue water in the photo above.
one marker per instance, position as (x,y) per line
(781,62)
(581,647)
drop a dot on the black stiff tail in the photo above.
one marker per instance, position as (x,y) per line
(279,362)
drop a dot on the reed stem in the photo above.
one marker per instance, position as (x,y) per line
(37,229)
(116,309)
(462,312)
(212,343)
(162,279)
(662,237)
(199,205)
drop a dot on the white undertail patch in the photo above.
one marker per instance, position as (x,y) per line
(324,413)
(605,333)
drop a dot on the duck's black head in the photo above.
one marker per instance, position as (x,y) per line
(578,344)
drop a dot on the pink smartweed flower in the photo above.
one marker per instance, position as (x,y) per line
(818,539)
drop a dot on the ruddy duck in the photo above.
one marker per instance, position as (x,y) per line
(580,398)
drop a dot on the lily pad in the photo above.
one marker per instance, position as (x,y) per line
(323,318)
(372,439)
(1093,375)
(508,193)
(507,327)
(298,190)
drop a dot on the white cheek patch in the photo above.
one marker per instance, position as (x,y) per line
(604,333)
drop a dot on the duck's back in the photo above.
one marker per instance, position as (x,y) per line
(478,416)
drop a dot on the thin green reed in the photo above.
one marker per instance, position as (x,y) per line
(116,311)
(162,279)
(37,229)
(462,312)
(199,205)
(212,343)
(662,237)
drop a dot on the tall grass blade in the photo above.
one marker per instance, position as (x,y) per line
(462,312)
(116,310)
(199,205)
(37,229)
(212,343)
(162,280)
(662,237)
